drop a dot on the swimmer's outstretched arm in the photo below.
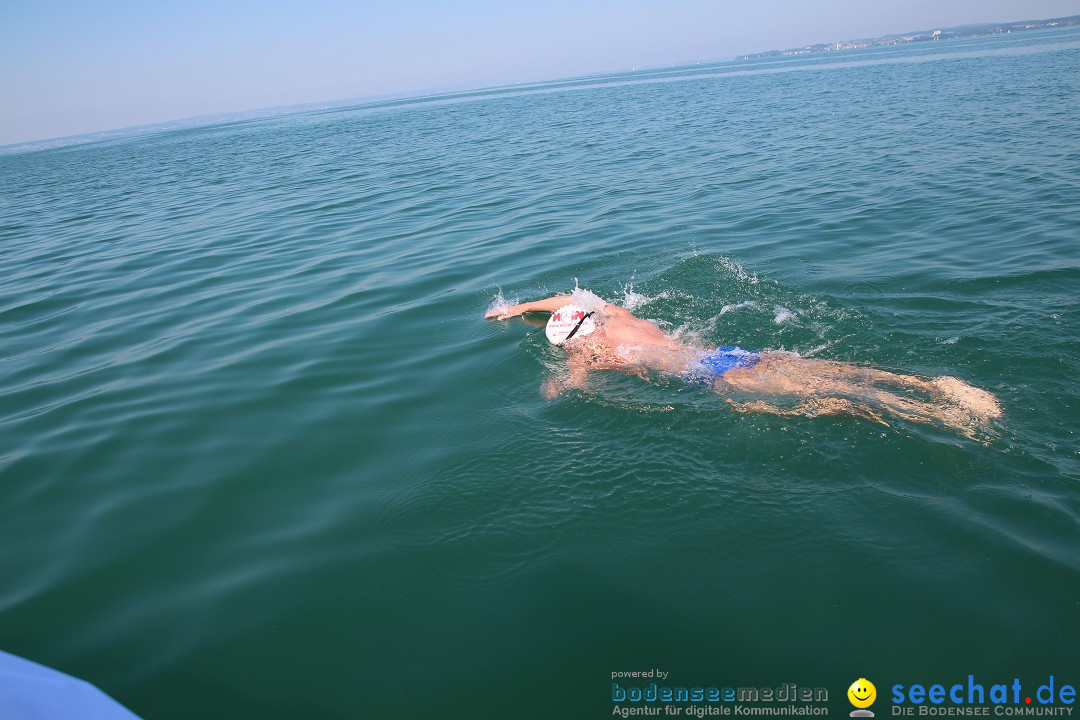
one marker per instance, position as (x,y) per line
(550,304)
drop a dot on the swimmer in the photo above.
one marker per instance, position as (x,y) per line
(600,336)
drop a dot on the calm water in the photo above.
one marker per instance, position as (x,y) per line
(261,456)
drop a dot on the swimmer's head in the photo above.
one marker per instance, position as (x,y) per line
(569,321)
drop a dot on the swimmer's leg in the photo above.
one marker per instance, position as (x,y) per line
(849,374)
(812,407)
(865,399)
(873,410)
(950,399)
(922,411)
(824,377)
(820,387)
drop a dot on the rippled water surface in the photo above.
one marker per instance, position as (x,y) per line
(261,456)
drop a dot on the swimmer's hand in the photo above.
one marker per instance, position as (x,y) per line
(502,313)
(576,379)
(550,389)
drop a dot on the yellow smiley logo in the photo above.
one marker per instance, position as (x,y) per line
(862,693)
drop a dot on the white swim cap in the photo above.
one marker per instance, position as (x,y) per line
(568,321)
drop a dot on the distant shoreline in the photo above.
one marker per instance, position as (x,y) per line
(949,33)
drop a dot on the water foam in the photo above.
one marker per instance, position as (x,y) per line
(738,306)
(586,299)
(782,314)
(633,300)
(729,265)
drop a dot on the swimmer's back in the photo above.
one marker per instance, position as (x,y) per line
(621,327)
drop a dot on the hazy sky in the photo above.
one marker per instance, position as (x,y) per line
(69,67)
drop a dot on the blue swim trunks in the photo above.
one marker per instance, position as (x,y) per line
(719,361)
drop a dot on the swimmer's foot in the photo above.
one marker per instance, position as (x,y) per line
(978,402)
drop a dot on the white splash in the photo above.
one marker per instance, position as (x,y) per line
(726,263)
(782,314)
(498,304)
(633,300)
(586,299)
(738,306)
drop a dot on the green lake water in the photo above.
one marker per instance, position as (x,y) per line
(262,457)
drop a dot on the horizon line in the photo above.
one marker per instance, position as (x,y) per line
(254,114)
